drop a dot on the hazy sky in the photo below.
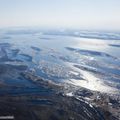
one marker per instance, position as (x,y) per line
(87,14)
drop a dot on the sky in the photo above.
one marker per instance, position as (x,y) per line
(80,14)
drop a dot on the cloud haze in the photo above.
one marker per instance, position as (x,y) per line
(87,14)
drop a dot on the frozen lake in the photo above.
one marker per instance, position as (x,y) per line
(87,59)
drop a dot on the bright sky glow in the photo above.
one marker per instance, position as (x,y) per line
(81,14)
